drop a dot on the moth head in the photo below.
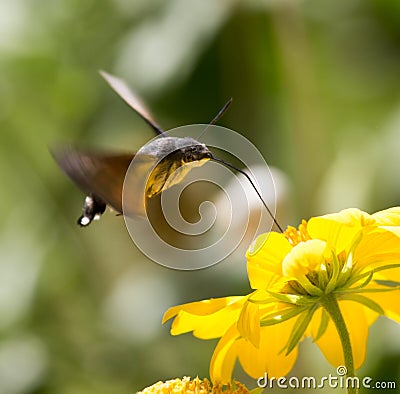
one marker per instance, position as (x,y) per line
(195,152)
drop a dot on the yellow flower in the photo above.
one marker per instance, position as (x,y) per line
(343,266)
(193,386)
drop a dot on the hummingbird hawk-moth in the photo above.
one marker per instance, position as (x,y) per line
(164,162)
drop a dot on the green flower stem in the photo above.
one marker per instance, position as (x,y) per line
(330,303)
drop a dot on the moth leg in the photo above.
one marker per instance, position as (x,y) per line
(93,208)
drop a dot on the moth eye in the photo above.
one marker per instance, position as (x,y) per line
(188,154)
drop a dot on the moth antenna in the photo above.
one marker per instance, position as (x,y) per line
(254,187)
(217,117)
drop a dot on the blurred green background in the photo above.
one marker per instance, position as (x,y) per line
(316,87)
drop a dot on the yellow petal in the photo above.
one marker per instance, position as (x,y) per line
(193,317)
(249,323)
(393,229)
(264,259)
(357,323)
(201,308)
(388,217)
(392,274)
(351,217)
(389,302)
(378,247)
(224,357)
(337,235)
(268,357)
(304,257)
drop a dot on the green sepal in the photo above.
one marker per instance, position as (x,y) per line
(387,267)
(323,278)
(346,271)
(262,302)
(387,283)
(299,329)
(279,317)
(378,269)
(309,287)
(366,281)
(293,299)
(335,274)
(359,291)
(365,301)
(323,325)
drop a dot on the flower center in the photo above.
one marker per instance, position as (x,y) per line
(312,268)
(196,385)
(305,258)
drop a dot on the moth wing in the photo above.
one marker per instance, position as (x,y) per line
(104,175)
(123,90)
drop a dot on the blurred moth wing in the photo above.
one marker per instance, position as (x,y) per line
(157,166)
(123,90)
(103,176)
(109,180)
